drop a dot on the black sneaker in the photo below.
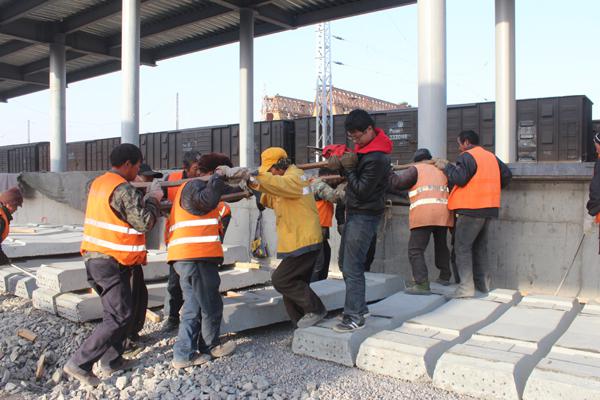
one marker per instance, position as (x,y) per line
(170,324)
(349,325)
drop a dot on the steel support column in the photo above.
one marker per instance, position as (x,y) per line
(506,104)
(58,85)
(247,88)
(432,76)
(130,67)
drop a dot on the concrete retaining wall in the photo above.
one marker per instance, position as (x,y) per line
(541,224)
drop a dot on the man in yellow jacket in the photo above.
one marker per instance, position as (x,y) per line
(287,191)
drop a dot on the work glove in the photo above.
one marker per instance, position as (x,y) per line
(333,163)
(441,163)
(339,193)
(154,191)
(233,172)
(349,161)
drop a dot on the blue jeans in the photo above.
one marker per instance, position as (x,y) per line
(359,231)
(202,308)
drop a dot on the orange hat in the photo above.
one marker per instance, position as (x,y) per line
(270,157)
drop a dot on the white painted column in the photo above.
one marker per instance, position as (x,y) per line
(130,68)
(432,76)
(506,104)
(247,88)
(58,85)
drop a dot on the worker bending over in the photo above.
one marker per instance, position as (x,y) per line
(195,251)
(173,297)
(476,179)
(286,190)
(428,215)
(116,217)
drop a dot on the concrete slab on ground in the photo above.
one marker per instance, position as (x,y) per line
(44,299)
(572,368)
(262,307)
(25,287)
(412,350)
(42,240)
(69,276)
(83,307)
(322,342)
(497,360)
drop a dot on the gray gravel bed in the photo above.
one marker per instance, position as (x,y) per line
(263,367)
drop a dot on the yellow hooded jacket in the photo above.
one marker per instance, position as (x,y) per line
(297,219)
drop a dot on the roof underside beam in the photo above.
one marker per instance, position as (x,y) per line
(265,12)
(18,9)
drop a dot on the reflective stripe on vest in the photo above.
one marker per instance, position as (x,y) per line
(193,236)
(6,224)
(483,189)
(172,191)
(424,202)
(429,199)
(104,232)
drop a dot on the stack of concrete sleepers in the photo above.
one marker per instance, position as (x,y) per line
(572,368)
(497,360)
(65,290)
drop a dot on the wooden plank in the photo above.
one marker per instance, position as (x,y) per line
(26,334)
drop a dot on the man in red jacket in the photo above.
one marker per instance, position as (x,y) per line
(366,171)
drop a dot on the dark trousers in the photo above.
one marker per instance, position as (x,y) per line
(470,244)
(321,270)
(139,294)
(417,243)
(112,282)
(370,253)
(453,255)
(202,312)
(173,297)
(291,279)
(359,232)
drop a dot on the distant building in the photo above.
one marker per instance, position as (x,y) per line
(280,107)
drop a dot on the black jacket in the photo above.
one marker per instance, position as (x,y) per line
(461,173)
(593,204)
(367,183)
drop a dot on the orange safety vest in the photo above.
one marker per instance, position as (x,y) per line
(193,236)
(325,209)
(172,191)
(483,190)
(6,224)
(104,232)
(429,199)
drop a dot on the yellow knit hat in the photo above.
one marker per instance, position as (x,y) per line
(269,157)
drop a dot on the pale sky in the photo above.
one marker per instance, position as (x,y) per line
(557,54)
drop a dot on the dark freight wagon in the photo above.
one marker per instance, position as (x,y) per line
(547,129)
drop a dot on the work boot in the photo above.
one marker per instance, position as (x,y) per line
(170,324)
(121,364)
(461,293)
(442,282)
(197,359)
(223,349)
(311,319)
(418,288)
(132,348)
(84,377)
